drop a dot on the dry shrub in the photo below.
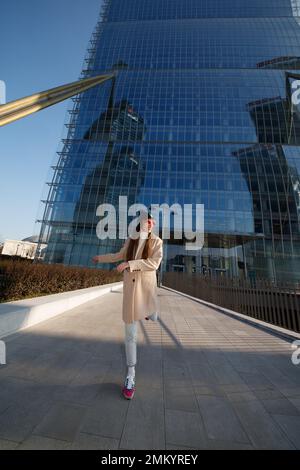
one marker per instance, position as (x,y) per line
(20,279)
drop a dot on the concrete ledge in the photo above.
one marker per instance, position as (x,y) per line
(268,327)
(21,314)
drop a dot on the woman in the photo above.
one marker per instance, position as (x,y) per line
(142,257)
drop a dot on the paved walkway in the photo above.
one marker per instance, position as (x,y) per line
(204,381)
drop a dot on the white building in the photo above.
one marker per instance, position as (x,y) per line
(25,248)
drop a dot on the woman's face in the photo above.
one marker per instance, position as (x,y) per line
(146,225)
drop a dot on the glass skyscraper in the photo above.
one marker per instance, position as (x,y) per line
(201,110)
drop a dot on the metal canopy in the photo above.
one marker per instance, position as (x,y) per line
(31,104)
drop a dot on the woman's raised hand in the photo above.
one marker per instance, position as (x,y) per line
(121,267)
(96,259)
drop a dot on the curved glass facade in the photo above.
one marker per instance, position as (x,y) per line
(201,111)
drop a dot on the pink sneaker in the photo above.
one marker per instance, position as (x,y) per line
(129,387)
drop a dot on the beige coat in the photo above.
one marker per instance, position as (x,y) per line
(140,285)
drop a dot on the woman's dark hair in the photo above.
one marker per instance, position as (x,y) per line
(133,244)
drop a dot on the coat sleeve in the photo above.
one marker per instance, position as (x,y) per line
(114,257)
(151,263)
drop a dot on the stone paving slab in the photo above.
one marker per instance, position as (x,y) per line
(204,380)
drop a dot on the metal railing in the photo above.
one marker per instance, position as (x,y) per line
(261,299)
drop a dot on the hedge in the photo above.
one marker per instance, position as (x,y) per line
(20,279)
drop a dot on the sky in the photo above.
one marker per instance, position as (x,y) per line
(42,45)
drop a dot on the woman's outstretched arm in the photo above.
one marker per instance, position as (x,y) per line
(112,257)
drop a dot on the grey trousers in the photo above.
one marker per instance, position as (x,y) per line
(131,330)
(130,342)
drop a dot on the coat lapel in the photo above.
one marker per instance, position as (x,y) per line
(140,250)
